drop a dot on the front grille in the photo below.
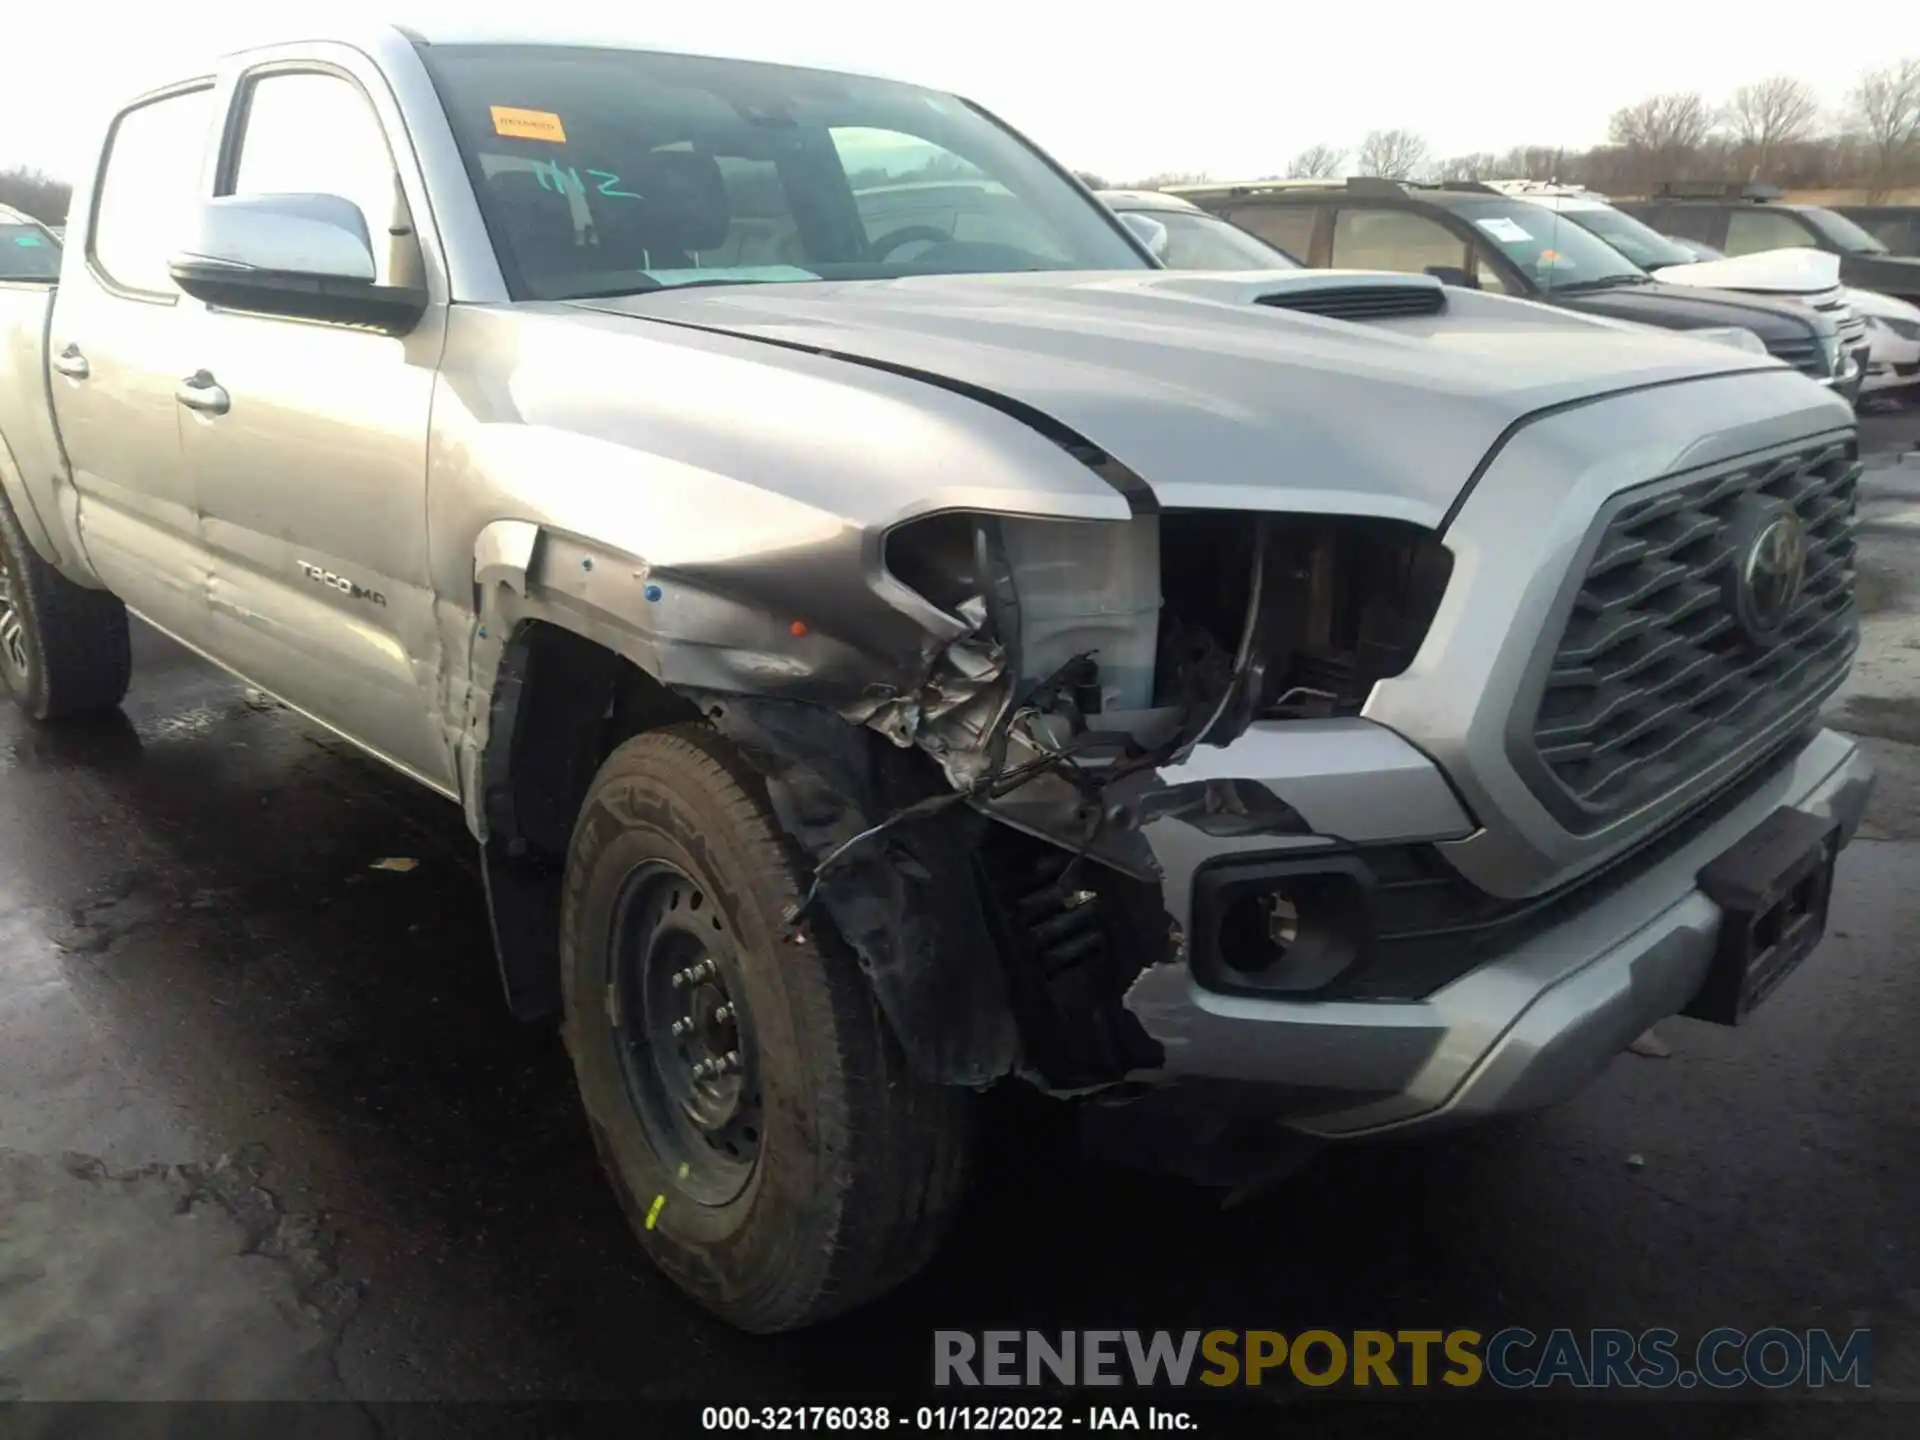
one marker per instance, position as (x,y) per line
(1806,356)
(1664,667)
(1363,302)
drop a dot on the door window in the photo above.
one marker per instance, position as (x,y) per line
(149,187)
(1487,275)
(1751,231)
(306,132)
(1288,226)
(1393,240)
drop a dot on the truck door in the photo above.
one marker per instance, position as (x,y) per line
(118,351)
(307,440)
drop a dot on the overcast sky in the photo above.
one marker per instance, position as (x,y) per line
(1230,88)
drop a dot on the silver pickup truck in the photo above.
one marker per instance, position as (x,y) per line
(879,659)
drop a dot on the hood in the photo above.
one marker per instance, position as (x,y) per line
(1897,275)
(1204,387)
(1883,307)
(1686,307)
(1798,271)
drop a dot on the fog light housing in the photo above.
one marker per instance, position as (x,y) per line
(1281,926)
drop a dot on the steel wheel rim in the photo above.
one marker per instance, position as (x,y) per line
(13,626)
(684,1034)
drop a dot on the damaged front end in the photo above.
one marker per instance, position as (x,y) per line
(1128,703)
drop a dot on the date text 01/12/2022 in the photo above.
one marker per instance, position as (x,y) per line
(942,1418)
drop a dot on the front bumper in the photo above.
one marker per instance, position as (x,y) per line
(1527,1028)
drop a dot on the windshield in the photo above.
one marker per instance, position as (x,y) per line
(27,252)
(1550,250)
(1843,232)
(613,172)
(1640,243)
(1206,242)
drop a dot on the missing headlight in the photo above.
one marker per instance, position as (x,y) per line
(1345,603)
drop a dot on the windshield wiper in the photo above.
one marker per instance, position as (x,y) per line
(1604,282)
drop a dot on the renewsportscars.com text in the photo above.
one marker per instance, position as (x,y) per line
(1512,1358)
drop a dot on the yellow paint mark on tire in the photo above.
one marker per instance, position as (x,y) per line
(653,1210)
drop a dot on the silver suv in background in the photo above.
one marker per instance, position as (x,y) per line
(878,661)
(1182,236)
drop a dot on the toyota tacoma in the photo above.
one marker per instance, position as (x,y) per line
(883,659)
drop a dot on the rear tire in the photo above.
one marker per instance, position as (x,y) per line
(64,649)
(820,1171)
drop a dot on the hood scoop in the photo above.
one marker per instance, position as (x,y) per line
(1397,299)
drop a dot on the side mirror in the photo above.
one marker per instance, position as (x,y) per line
(1453,275)
(304,256)
(1149,231)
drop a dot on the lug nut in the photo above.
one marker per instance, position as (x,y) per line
(723,1014)
(730,1061)
(682,1027)
(702,1069)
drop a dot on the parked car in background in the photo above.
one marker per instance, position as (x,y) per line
(1893,330)
(28,249)
(1746,219)
(1472,235)
(1193,239)
(1895,226)
(1803,276)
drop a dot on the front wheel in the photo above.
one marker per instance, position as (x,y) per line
(64,649)
(779,1161)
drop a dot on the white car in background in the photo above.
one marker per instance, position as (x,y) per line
(1892,324)
(1809,276)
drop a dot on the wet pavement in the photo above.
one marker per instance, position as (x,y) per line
(266,1130)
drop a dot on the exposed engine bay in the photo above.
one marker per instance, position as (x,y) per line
(1115,650)
(1097,656)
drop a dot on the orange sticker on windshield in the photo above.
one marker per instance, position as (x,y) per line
(528,124)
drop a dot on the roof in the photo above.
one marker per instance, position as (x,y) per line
(1352,185)
(1545,190)
(258,34)
(1146,200)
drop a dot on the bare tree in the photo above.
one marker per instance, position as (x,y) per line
(1534,162)
(1392,154)
(37,194)
(1481,165)
(1663,124)
(1769,115)
(1661,137)
(1164,178)
(1886,108)
(1316,162)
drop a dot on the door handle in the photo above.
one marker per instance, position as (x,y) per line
(200,391)
(72,364)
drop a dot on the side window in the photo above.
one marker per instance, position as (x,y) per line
(148,189)
(1688,222)
(1750,231)
(1288,226)
(1393,240)
(310,133)
(1486,274)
